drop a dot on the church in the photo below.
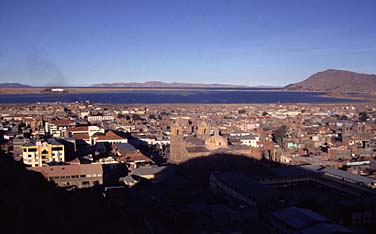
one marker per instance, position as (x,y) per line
(188,141)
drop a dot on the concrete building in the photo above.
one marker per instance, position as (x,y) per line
(40,153)
(18,142)
(58,128)
(249,141)
(80,176)
(100,118)
(242,189)
(110,137)
(85,133)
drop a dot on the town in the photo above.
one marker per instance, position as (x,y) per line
(221,168)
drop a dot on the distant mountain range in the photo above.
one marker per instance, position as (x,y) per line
(330,80)
(14,85)
(158,84)
(336,80)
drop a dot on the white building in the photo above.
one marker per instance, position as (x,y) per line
(250,140)
(100,118)
(38,154)
(57,90)
(58,128)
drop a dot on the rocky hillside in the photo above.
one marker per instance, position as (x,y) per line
(336,80)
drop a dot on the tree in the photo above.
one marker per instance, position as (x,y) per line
(363,116)
(136,117)
(163,113)
(280,134)
(343,117)
(242,111)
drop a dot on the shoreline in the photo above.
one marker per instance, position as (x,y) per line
(42,90)
(39,90)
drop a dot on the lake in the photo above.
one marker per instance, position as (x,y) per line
(202,96)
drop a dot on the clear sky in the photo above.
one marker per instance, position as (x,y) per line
(74,43)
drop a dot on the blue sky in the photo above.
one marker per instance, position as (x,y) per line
(74,43)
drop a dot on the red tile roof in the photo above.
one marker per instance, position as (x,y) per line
(110,135)
(81,136)
(78,129)
(67,170)
(62,122)
(134,156)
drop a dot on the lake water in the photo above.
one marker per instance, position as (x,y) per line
(224,96)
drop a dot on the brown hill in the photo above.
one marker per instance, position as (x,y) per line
(336,80)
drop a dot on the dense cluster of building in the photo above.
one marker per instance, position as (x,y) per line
(305,147)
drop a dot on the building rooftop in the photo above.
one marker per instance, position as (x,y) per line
(78,129)
(142,171)
(125,147)
(62,122)
(347,175)
(326,228)
(245,184)
(110,135)
(81,136)
(65,170)
(298,218)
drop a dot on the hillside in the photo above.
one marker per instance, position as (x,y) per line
(14,85)
(336,80)
(158,84)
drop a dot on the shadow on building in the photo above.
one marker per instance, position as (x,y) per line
(218,193)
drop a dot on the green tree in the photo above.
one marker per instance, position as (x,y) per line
(280,134)
(363,116)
